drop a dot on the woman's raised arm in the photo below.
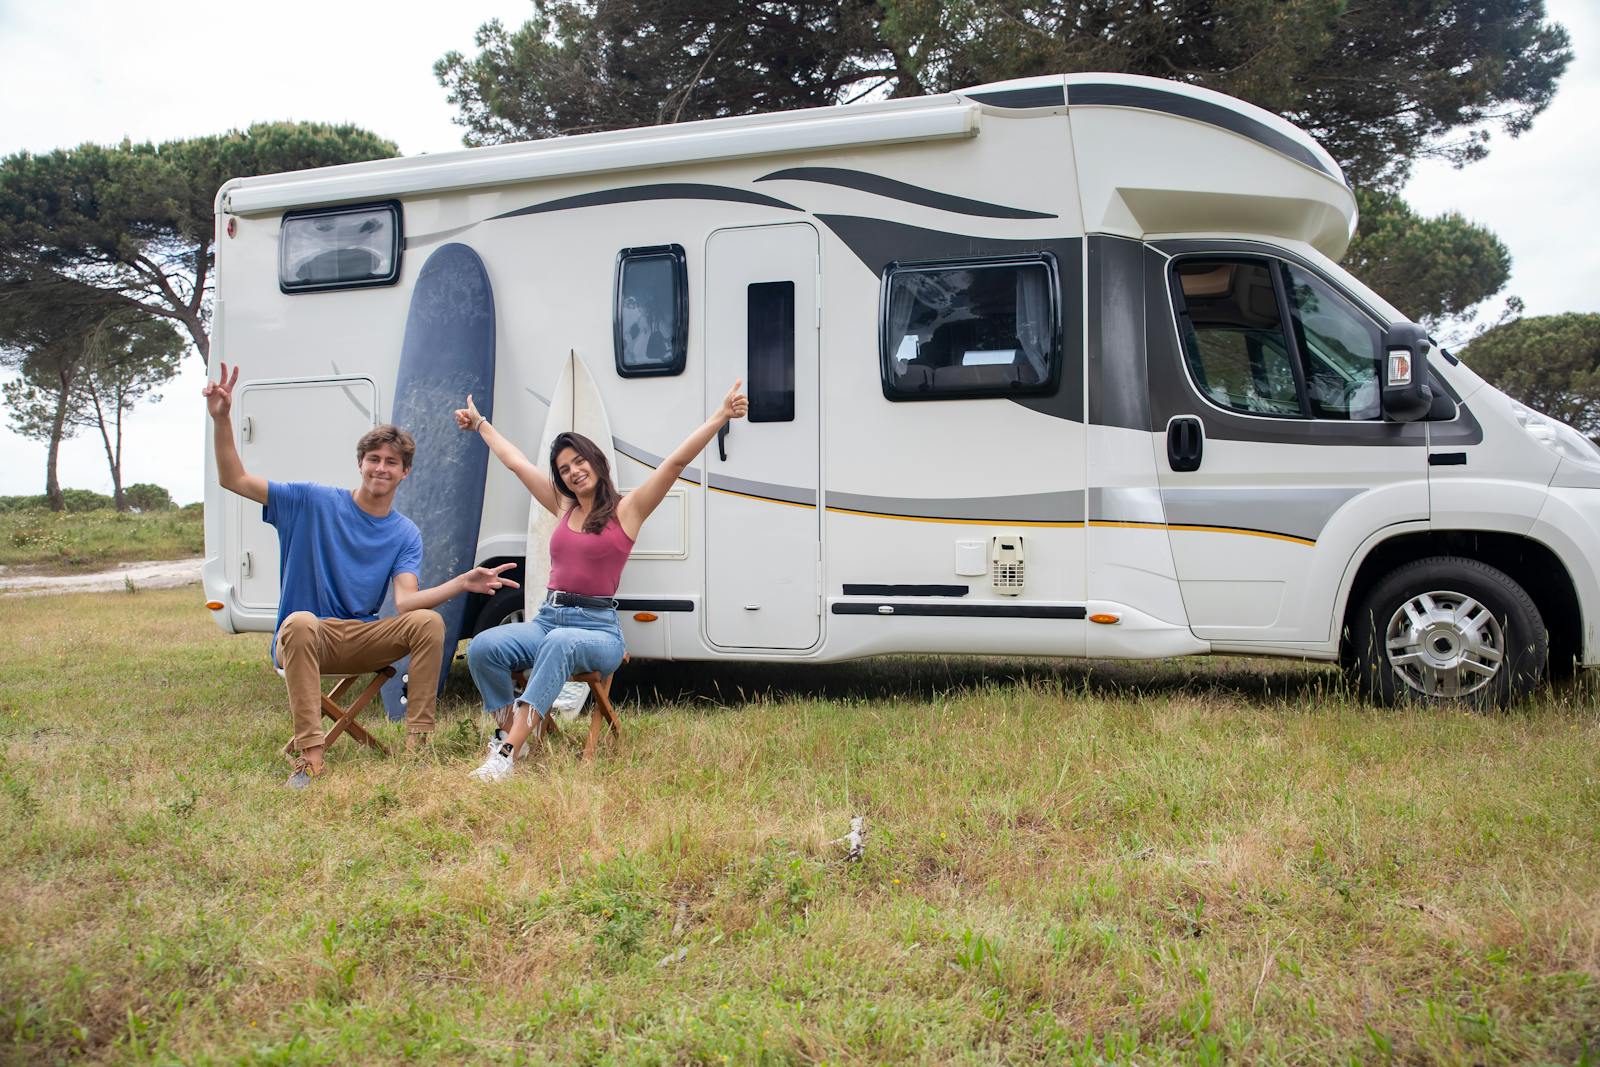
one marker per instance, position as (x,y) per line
(638,504)
(527,471)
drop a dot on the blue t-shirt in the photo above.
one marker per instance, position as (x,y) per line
(335,560)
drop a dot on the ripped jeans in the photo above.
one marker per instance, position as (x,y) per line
(555,644)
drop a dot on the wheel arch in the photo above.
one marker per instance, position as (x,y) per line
(1530,563)
(476,602)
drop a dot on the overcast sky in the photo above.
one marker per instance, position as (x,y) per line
(73,71)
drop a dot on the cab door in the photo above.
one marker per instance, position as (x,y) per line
(763,530)
(1274,461)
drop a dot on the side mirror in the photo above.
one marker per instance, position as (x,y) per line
(1407,396)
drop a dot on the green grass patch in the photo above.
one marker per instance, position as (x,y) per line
(1194,861)
(73,541)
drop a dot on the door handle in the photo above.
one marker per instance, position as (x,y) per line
(722,442)
(1185,443)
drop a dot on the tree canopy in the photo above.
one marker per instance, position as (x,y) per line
(1380,84)
(1430,268)
(1549,362)
(134,221)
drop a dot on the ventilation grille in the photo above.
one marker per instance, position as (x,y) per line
(1006,567)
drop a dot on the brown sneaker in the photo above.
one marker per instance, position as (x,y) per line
(304,771)
(419,744)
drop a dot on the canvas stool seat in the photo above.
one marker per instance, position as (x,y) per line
(344,715)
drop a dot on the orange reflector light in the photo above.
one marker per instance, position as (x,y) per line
(1104,619)
(644,616)
(214,605)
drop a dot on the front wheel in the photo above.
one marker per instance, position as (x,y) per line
(1447,629)
(505,607)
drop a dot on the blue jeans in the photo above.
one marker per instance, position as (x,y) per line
(552,646)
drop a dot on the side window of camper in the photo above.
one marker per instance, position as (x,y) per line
(650,317)
(979,328)
(1269,338)
(339,248)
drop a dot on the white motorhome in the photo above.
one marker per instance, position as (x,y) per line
(1062,366)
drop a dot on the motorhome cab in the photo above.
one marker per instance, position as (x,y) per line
(1062,366)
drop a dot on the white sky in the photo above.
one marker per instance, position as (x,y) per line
(181,68)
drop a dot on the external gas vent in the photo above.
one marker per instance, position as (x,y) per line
(1006,565)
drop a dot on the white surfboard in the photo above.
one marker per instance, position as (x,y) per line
(576,407)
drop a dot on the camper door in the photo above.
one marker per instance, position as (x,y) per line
(1276,463)
(763,531)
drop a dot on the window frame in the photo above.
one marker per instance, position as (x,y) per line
(1055,357)
(680,331)
(296,288)
(1292,327)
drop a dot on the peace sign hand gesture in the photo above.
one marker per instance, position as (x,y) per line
(219,394)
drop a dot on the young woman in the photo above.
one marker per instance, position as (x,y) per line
(576,627)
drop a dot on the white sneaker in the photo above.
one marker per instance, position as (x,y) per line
(497,766)
(501,735)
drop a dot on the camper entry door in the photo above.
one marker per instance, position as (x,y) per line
(763,530)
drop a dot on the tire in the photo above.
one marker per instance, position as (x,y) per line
(1448,629)
(503,608)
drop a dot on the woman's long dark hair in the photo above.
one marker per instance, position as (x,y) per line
(606,497)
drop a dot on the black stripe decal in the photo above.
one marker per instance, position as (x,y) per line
(645,604)
(904,590)
(1040,96)
(1139,96)
(894,190)
(971,611)
(663,191)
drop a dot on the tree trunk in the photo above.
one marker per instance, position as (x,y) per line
(52,483)
(113,455)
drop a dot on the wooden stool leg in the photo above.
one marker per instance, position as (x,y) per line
(345,718)
(600,689)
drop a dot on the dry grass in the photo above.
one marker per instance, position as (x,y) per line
(1194,861)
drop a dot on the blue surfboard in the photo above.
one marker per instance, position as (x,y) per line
(448,352)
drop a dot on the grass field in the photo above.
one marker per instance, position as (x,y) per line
(64,542)
(1198,861)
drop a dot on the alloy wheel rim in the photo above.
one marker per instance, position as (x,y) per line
(1445,644)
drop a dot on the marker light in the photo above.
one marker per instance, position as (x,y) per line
(1105,619)
(214,605)
(644,616)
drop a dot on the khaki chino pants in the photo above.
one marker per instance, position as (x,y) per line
(309,647)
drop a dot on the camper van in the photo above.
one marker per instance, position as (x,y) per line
(1063,366)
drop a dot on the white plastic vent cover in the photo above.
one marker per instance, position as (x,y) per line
(1006,565)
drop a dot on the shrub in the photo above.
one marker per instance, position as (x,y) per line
(143,496)
(85,500)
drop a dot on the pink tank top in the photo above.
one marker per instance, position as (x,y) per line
(585,563)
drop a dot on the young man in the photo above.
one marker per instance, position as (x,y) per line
(339,550)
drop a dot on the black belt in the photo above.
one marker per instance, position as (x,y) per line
(578,600)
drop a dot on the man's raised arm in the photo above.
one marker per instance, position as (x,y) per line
(230,468)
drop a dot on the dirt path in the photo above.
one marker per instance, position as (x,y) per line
(160,574)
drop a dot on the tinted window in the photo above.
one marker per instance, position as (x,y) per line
(970,330)
(339,249)
(650,324)
(770,369)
